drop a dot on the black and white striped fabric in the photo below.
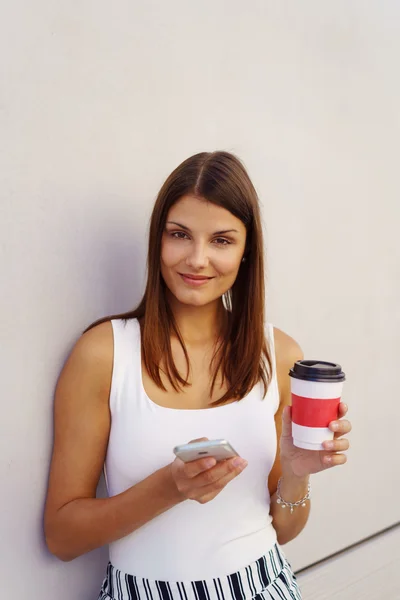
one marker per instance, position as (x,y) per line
(270,576)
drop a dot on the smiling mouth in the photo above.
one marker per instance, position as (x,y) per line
(194,279)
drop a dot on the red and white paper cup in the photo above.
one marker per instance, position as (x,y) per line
(316,388)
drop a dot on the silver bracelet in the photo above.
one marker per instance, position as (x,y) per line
(292,505)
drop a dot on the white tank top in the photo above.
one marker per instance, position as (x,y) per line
(191,541)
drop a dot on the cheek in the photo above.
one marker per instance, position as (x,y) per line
(170,254)
(229,264)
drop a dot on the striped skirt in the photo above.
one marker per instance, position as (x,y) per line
(270,576)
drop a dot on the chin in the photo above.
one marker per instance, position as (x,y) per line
(192,299)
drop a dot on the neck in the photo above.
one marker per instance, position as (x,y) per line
(198,325)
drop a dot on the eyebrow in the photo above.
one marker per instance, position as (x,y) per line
(215,232)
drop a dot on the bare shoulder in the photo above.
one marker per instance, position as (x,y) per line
(97,343)
(91,357)
(287,352)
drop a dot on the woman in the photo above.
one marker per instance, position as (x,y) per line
(195,360)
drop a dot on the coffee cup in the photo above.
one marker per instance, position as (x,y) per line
(316,388)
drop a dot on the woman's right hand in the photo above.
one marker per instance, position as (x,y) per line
(203,479)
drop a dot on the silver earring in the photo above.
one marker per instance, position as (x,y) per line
(243,259)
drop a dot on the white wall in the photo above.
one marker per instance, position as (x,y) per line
(99,102)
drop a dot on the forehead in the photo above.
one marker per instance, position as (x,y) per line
(200,214)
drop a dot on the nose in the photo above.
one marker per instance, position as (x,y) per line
(198,257)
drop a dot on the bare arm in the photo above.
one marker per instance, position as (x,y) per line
(287,526)
(75,520)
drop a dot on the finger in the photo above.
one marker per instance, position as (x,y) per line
(193,468)
(340,427)
(342,410)
(203,439)
(334,460)
(209,491)
(227,468)
(337,445)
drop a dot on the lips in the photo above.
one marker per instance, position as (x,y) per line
(195,277)
(195,280)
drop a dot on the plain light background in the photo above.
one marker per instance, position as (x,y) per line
(99,102)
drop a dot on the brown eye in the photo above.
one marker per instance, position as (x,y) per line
(179,235)
(222,241)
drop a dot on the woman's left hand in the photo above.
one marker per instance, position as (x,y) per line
(299,462)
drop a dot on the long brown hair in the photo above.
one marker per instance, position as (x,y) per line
(242,358)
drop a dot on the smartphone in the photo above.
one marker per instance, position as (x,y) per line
(218,449)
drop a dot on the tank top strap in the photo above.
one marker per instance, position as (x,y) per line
(127,359)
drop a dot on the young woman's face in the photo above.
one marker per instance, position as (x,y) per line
(201,252)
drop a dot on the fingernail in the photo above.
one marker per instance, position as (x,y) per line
(335,426)
(210,462)
(329,445)
(239,462)
(328,459)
